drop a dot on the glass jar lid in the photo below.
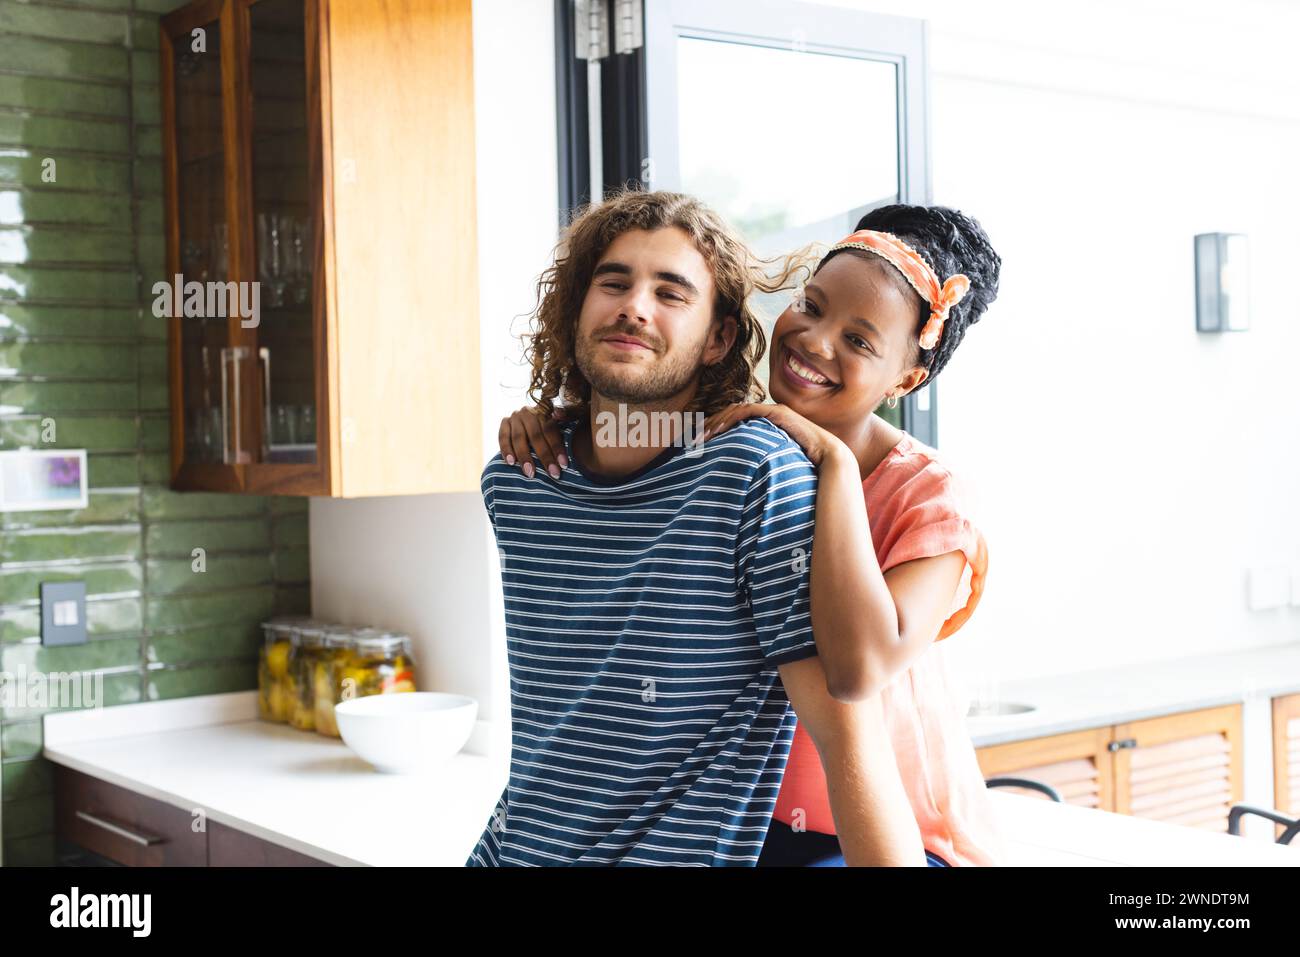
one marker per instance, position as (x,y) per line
(291,620)
(312,635)
(281,628)
(339,636)
(379,641)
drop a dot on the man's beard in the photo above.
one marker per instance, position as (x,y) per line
(623,382)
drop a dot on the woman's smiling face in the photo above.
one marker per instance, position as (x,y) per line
(835,360)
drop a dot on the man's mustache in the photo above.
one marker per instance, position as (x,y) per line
(630,331)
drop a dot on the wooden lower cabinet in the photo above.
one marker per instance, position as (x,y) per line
(1182,768)
(230,847)
(122,825)
(129,828)
(1286,755)
(1076,764)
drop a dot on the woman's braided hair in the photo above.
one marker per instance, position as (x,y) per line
(951,242)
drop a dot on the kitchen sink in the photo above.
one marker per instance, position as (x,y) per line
(998,709)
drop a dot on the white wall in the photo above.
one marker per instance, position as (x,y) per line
(1129,469)
(427,563)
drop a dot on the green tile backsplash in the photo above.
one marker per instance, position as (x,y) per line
(79,344)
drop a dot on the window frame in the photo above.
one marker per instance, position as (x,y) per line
(637,95)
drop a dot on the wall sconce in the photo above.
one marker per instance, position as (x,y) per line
(1222,282)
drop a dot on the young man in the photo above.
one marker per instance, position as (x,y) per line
(657,595)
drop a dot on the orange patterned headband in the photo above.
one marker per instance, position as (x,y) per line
(941,296)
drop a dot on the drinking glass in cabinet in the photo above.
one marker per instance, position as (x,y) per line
(307,424)
(299,232)
(270,257)
(284,429)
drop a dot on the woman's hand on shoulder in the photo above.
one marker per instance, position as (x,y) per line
(528,431)
(817,443)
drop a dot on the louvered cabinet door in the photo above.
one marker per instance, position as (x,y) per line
(1286,756)
(1181,768)
(1076,764)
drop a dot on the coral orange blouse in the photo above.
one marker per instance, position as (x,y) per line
(915,510)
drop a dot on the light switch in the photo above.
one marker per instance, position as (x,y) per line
(63,613)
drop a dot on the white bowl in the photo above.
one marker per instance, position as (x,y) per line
(409,732)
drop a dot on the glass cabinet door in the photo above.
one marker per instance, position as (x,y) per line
(211,362)
(286,239)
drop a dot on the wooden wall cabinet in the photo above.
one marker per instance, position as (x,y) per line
(324,150)
(1182,768)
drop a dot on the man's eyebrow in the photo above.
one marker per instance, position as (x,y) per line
(678,280)
(623,269)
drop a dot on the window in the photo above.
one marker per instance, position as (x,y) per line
(729,99)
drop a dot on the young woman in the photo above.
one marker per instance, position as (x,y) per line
(883,313)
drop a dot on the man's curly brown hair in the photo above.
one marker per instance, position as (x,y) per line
(737,273)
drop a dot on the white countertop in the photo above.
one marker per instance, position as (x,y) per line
(295,788)
(311,794)
(1092,699)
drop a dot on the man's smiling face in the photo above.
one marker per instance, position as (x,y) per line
(646,329)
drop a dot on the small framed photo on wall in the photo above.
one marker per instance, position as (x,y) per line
(32,480)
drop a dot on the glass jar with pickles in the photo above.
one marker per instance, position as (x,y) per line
(273,669)
(335,653)
(379,663)
(307,648)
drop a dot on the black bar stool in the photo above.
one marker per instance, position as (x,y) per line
(1005,782)
(1238,811)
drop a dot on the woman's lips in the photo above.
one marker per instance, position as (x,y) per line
(796,380)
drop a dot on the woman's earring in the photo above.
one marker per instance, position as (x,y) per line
(892,402)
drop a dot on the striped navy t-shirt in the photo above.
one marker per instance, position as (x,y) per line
(645,619)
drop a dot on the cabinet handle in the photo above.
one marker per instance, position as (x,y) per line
(225,404)
(238,353)
(1120,745)
(234,354)
(264,354)
(144,840)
